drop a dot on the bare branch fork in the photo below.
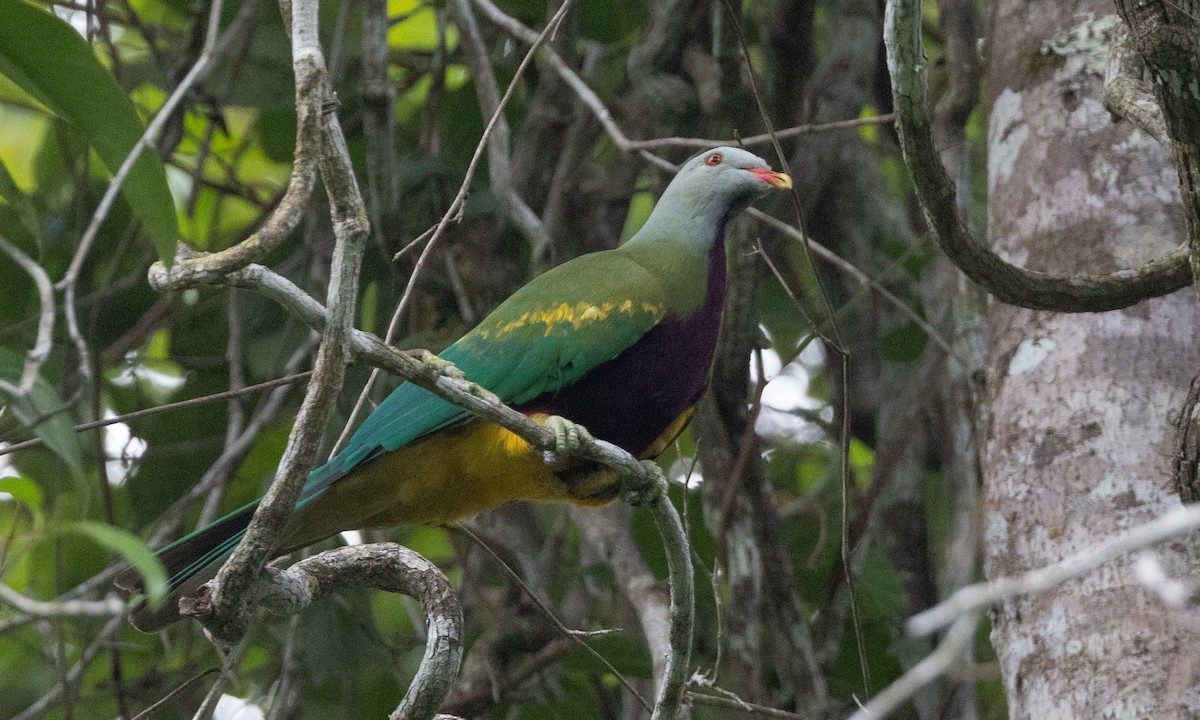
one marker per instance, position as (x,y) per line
(1008,283)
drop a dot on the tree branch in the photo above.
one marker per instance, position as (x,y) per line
(1167,35)
(683,606)
(45,332)
(606,531)
(109,606)
(191,268)
(963,610)
(1126,96)
(231,601)
(434,374)
(763,138)
(1007,283)
(385,566)
(983,595)
(513,206)
(931,667)
(379,127)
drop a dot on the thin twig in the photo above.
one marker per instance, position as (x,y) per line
(108,607)
(230,657)
(513,206)
(290,379)
(735,703)
(456,206)
(848,267)
(473,702)
(589,98)
(182,686)
(764,138)
(834,339)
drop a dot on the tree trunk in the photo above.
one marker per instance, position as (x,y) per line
(1080,406)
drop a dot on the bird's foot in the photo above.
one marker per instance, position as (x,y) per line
(646,489)
(437,364)
(569,437)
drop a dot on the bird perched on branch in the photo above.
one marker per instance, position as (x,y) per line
(617,342)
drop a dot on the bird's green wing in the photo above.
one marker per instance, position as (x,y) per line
(546,336)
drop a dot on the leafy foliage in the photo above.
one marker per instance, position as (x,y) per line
(79,90)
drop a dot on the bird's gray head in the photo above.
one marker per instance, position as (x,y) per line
(730,176)
(710,189)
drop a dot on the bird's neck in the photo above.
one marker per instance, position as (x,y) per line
(688,260)
(682,216)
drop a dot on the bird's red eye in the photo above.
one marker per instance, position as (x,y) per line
(714,159)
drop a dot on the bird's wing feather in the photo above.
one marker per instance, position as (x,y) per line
(545,337)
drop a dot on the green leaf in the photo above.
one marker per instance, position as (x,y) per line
(609,21)
(78,89)
(862,461)
(23,490)
(332,640)
(905,343)
(133,550)
(43,400)
(19,202)
(627,654)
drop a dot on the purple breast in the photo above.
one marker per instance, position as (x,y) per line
(632,399)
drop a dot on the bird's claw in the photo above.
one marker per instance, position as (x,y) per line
(569,437)
(647,489)
(437,364)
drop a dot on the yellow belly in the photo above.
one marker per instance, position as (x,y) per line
(441,479)
(449,476)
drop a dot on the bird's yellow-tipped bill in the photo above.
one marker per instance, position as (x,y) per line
(781,181)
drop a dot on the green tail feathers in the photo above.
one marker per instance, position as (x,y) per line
(190,561)
(194,559)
